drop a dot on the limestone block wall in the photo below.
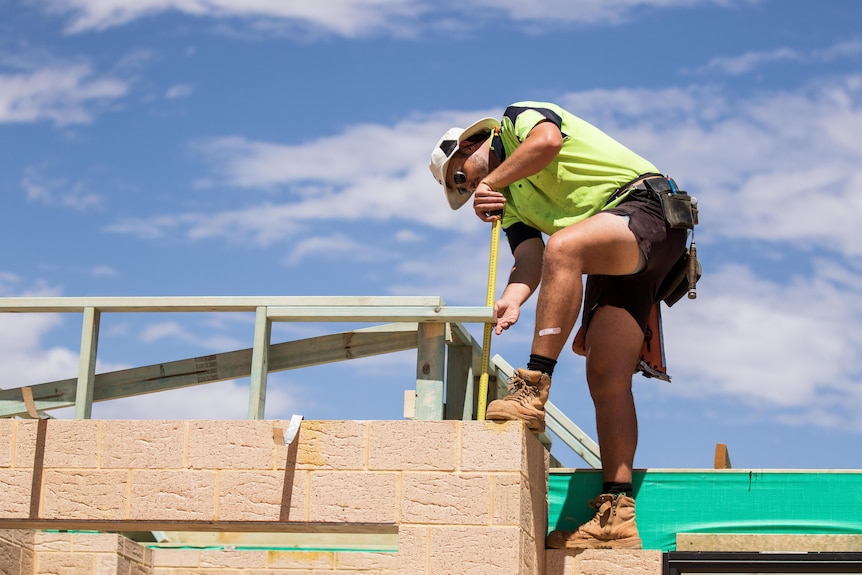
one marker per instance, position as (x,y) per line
(27,552)
(466,497)
(603,562)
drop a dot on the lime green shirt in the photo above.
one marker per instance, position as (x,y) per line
(578,183)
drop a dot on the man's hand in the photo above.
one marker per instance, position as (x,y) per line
(508,313)
(488,203)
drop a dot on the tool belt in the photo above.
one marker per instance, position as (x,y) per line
(679,209)
(680,212)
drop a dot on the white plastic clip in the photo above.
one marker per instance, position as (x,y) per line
(287,436)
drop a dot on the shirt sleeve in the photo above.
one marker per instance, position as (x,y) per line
(520,232)
(525,118)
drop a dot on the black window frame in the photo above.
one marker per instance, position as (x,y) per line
(682,562)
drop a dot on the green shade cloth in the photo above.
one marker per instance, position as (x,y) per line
(718,501)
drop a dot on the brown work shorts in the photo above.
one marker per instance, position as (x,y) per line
(661,247)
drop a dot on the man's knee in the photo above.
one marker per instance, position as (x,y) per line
(610,379)
(613,344)
(563,250)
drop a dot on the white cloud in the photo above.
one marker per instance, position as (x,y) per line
(344,17)
(364,184)
(57,191)
(179,91)
(788,348)
(361,151)
(586,11)
(335,246)
(173,330)
(103,271)
(744,63)
(353,18)
(64,94)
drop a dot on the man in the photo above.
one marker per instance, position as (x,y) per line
(549,172)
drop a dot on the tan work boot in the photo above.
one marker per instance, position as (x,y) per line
(528,393)
(613,527)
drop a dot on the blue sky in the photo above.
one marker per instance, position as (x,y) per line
(229,147)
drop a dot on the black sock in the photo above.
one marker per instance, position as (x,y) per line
(541,363)
(614,488)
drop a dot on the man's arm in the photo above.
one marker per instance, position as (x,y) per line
(523,281)
(541,146)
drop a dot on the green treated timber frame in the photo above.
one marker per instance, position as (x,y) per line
(429,324)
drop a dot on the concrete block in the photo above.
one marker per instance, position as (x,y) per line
(367,562)
(413,550)
(65,443)
(262,496)
(65,563)
(88,494)
(532,558)
(297,560)
(558,562)
(490,446)
(340,445)
(134,551)
(210,559)
(413,445)
(173,495)
(352,497)
(7,429)
(175,558)
(44,541)
(509,507)
(96,542)
(618,562)
(10,556)
(144,444)
(445,498)
(15,485)
(231,445)
(16,552)
(474,550)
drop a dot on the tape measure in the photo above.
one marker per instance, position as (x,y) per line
(489,327)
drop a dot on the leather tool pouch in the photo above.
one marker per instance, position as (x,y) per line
(676,283)
(677,208)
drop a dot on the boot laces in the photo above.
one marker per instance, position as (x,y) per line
(521,390)
(604,506)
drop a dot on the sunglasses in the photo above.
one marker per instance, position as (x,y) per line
(459,177)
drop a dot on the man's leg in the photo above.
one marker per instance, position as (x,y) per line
(602,244)
(613,344)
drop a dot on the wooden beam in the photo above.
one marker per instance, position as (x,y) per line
(459,383)
(204,304)
(722,457)
(372,542)
(424,314)
(196,526)
(87,364)
(259,364)
(769,542)
(429,371)
(217,367)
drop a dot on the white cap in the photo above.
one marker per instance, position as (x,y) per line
(446,148)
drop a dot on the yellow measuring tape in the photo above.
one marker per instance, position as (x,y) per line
(489,327)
